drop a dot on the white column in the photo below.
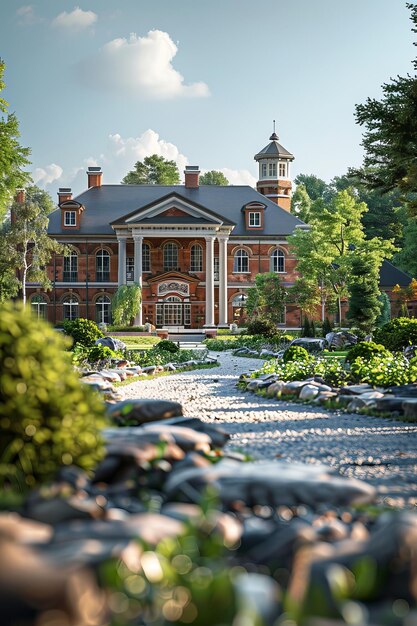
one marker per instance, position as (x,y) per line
(222,280)
(138,239)
(210,281)
(122,260)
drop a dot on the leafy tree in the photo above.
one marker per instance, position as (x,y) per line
(307,295)
(301,203)
(364,303)
(404,295)
(390,136)
(154,170)
(314,185)
(336,235)
(407,257)
(125,304)
(385,312)
(13,158)
(214,177)
(26,242)
(267,298)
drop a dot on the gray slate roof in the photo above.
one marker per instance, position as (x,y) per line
(389,276)
(273,149)
(107,203)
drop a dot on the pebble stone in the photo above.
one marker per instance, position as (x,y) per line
(379,450)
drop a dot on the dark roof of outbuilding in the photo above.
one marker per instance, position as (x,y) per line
(389,276)
(107,203)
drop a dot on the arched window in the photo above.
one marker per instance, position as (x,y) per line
(146,257)
(239,300)
(170,256)
(70,272)
(241,261)
(102,266)
(70,308)
(103,310)
(278,261)
(39,306)
(196,264)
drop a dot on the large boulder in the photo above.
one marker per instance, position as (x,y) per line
(112,343)
(137,412)
(342,339)
(311,344)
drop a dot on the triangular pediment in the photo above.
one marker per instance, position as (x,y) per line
(169,209)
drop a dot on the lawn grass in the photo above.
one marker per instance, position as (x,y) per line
(138,343)
(189,368)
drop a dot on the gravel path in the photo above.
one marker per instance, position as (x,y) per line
(381,451)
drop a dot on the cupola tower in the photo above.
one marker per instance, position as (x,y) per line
(274,180)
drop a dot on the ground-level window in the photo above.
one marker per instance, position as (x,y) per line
(39,306)
(70,308)
(241,261)
(196,264)
(278,261)
(103,310)
(102,266)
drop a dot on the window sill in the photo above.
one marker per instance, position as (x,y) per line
(241,272)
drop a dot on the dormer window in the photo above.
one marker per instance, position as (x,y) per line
(254,219)
(70,218)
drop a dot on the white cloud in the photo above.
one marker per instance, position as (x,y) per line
(140,65)
(75,20)
(134,149)
(43,176)
(27,15)
(239,177)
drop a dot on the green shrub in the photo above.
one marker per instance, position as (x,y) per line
(327,327)
(100,353)
(398,333)
(165,345)
(295,353)
(384,371)
(48,417)
(113,328)
(83,331)
(366,350)
(331,371)
(260,326)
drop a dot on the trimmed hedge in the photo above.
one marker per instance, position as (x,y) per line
(398,333)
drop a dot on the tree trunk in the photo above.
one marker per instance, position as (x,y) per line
(339,306)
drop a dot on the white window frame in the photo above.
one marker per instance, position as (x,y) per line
(70,218)
(171,250)
(277,259)
(264,170)
(103,310)
(39,306)
(130,268)
(71,305)
(146,257)
(255,219)
(196,258)
(241,260)
(282,168)
(272,170)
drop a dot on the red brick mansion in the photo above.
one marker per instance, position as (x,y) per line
(194,249)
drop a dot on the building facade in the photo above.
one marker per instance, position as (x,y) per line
(195,250)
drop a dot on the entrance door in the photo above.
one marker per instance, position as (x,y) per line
(173,312)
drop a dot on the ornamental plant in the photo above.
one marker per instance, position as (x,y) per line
(47,416)
(366,350)
(83,331)
(125,304)
(296,353)
(165,345)
(384,371)
(398,333)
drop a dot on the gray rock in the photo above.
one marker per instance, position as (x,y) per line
(294,387)
(356,390)
(136,412)
(269,483)
(112,343)
(309,392)
(390,403)
(410,409)
(358,402)
(275,388)
(149,369)
(405,391)
(311,344)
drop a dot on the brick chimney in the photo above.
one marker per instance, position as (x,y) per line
(64,194)
(94,176)
(192,174)
(20,196)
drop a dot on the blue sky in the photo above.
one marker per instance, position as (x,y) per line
(106,82)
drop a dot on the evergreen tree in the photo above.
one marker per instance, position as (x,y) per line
(364,303)
(385,313)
